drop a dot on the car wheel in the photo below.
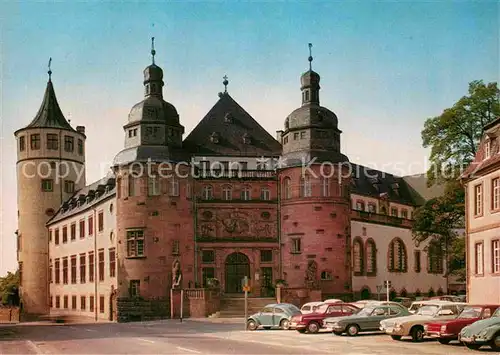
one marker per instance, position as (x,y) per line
(444,341)
(252,325)
(313,327)
(337,333)
(396,337)
(495,342)
(352,330)
(417,333)
(473,346)
(285,324)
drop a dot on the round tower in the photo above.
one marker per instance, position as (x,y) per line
(314,197)
(154,220)
(50,168)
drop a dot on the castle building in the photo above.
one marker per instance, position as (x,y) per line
(229,201)
(482,206)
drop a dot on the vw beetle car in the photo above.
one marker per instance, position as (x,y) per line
(368,319)
(482,332)
(448,330)
(272,316)
(413,325)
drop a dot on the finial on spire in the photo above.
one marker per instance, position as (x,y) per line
(310,56)
(50,71)
(225,82)
(153,52)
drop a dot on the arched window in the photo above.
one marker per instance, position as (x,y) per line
(265,194)
(326,275)
(383,210)
(371,257)
(397,258)
(357,256)
(287,188)
(325,187)
(246,193)
(207,192)
(435,258)
(227,193)
(305,186)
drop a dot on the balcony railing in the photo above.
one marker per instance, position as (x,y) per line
(235,174)
(381,218)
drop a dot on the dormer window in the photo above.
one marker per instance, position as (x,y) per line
(246,138)
(287,124)
(214,138)
(228,118)
(487,149)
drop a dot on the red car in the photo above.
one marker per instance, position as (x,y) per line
(448,330)
(313,322)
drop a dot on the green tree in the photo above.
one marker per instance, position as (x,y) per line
(453,138)
(9,289)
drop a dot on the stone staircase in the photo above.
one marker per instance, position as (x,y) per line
(234,307)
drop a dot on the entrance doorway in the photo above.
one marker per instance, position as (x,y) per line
(237,267)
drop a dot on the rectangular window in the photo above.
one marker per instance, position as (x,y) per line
(47,185)
(246,194)
(418,266)
(404,214)
(69,186)
(65,234)
(135,288)
(479,262)
(101,304)
(495,256)
(478,200)
(487,149)
(73,269)
(52,141)
(72,231)
(66,305)
(394,212)
(35,141)
(22,143)
(266,256)
(208,256)
(135,243)
(91,303)
(80,147)
(131,185)
(153,186)
(69,144)
(372,208)
(51,301)
(83,300)
(325,187)
(303,133)
(73,302)
(207,273)
(57,275)
(83,267)
(296,245)
(56,236)
(495,194)
(50,271)
(50,235)
(112,262)
(82,229)
(65,270)
(58,301)
(265,194)
(296,136)
(100,221)
(91,225)
(174,187)
(101,264)
(91,266)
(175,247)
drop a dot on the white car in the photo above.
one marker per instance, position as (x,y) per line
(310,307)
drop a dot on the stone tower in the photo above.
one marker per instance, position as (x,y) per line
(315,207)
(50,168)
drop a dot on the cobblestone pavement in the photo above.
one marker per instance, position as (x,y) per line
(200,337)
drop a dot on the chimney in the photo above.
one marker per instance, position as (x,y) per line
(80,129)
(278,135)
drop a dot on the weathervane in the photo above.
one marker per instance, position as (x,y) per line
(50,71)
(225,82)
(310,56)
(153,52)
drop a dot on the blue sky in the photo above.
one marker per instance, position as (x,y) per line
(385,67)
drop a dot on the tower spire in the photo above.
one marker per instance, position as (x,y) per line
(153,52)
(225,82)
(50,70)
(310,56)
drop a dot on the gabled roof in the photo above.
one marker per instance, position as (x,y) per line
(50,115)
(228,130)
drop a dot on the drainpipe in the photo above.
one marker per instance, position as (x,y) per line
(96,302)
(195,222)
(278,218)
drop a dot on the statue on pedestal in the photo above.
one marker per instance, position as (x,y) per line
(176,274)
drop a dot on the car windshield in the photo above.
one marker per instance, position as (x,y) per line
(470,312)
(497,313)
(427,310)
(365,312)
(321,308)
(415,306)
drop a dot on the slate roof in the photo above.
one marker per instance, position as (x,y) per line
(230,123)
(87,197)
(50,115)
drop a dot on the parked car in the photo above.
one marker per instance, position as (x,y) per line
(363,303)
(450,298)
(313,322)
(405,301)
(367,319)
(417,304)
(413,325)
(385,303)
(482,332)
(272,315)
(310,307)
(448,330)
(333,300)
